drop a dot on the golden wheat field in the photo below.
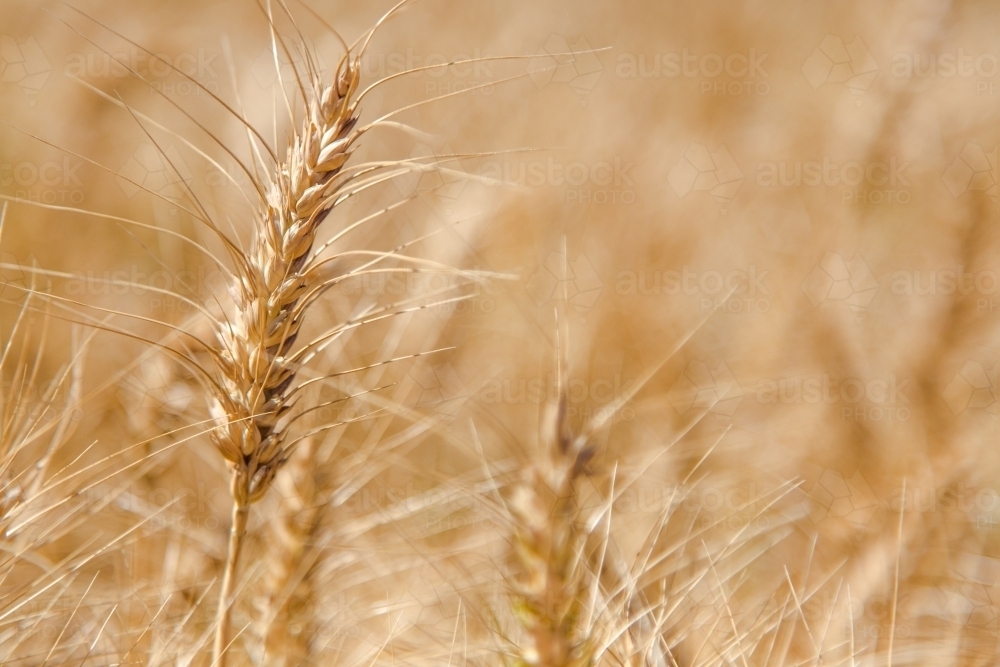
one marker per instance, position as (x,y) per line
(499,333)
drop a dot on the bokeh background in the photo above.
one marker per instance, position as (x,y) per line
(787,210)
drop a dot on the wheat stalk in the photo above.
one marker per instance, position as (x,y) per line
(254,378)
(276,282)
(288,587)
(271,295)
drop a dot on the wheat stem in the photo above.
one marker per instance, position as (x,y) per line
(236,534)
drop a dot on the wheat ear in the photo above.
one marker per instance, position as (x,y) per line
(557,581)
(271,294)
(550,591)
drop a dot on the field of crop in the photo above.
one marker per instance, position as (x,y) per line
(559,333)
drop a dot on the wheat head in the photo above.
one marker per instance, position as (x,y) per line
(274,285)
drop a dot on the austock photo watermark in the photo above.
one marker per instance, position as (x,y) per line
(704,388)
(841,279)
(864,620)
(23,399)
(571,62)
(847,61)
(837,61)
(158,288)
(848,498)
(973,390)
(55,182)
(23,64)
(733,292)
(974,169)
(436,176)
(441,74)
(594,397)
(164,174)
(977,67)
(559,61)
(703,170)
(841,61)
(867,620)
(441,389)
(712,387)
(582,182)
(736,73)
(16,276)
(332,619)
(269,68)
(182,508)
(184,74)
(883,182)
(469,72)
(478,296)
(157,169)
(732,507)
(560,278)
(879,399)
(847,279)
(875,182)
(982,287)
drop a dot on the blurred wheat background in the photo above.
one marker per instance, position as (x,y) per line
(753,246)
